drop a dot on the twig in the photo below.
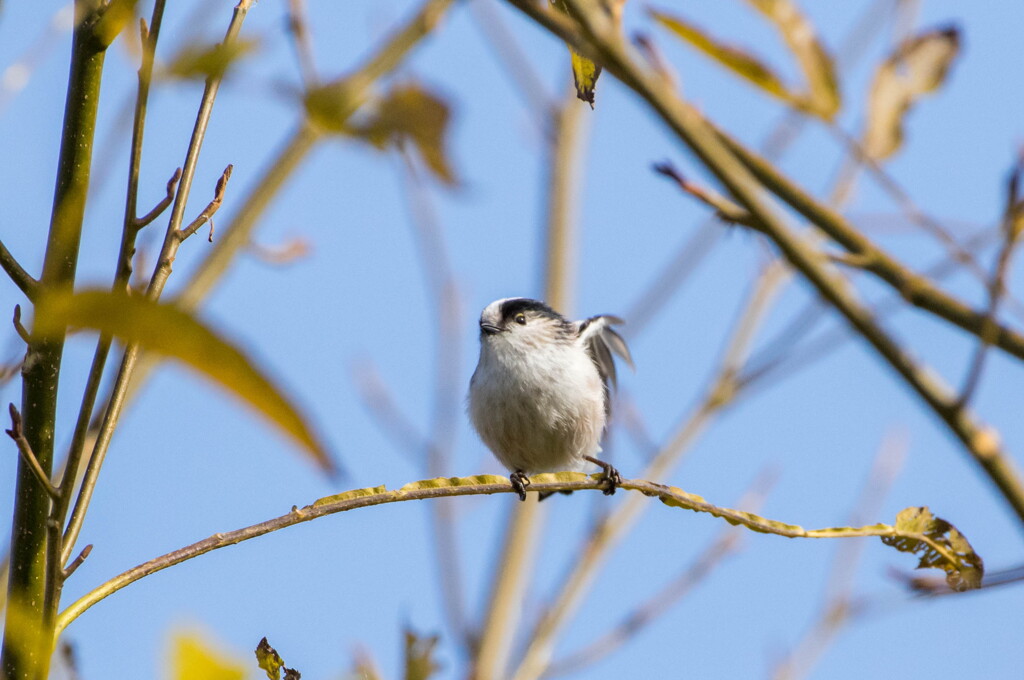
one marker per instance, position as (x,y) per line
(21,278)
(145,220)
(210,210)
(1013,221)
(161,273)
(25,449)
(724,208)
(298,28)
(475,486)
(19,328)
(77,562)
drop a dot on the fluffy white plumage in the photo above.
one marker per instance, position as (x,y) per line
(539,397)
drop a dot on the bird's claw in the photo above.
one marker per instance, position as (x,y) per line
(519,483)
(610,476)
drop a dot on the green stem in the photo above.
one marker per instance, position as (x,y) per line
(28,638)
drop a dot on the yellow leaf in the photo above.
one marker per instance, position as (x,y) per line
(411,114)
(822,98)
(585,72)
(918,66)
(166,331)
(739,62)
(193,659)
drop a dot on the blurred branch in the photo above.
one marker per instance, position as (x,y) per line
(839,606)
(726,544)
(444,294)
(21,278)
(514,566)
(475,486)
(298,28)
(1013,223)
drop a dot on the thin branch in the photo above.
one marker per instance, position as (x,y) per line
(77,562)
(1013,221)
(211,208)
(156,285)
(21,278)
(19,328)
(25,449)
(298,28)
(476,486)
(145,220)
(724,209)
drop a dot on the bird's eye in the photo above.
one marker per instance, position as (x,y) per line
(520,319)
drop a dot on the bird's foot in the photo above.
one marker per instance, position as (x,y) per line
(519,483)
(612,478)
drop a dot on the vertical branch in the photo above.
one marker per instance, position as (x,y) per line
(27,643)
(514,566)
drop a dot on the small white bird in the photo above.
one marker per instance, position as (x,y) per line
(539,397)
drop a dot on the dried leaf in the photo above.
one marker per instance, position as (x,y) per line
(193,659)
(202,61)
(271,662)
(822,97)
(964,567)
(918,66)
(166,331)
(419,656)
(411,114)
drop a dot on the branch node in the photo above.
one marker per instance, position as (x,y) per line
(140,222)
(211,208)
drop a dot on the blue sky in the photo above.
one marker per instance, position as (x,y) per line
(189,461)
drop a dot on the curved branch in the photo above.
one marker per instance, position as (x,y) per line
(476,486)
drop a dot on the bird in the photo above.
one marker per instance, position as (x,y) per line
(540,396)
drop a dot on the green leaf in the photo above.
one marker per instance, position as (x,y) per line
(964,568)
(166,331)
(419,656)
(585,72)
(823,97)
(193,659)
(411,114)
(202,61)
(918,66)
(736,60)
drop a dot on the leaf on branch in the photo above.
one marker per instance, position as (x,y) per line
(410,114)
(821,98)
(419,656)
(585,72)
(168,332)
(964,567)
(193,659)
(202,61)
(271,662)
(111,20)
(918,66)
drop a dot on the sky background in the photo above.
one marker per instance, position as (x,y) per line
(189,460)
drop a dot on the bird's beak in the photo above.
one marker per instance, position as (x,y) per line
(489,329)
